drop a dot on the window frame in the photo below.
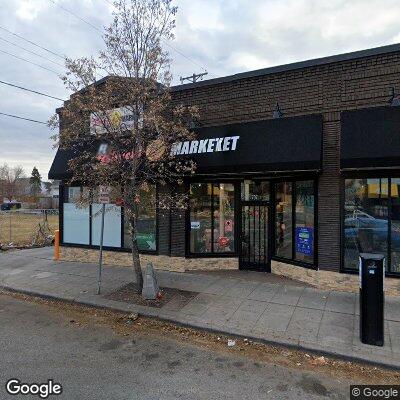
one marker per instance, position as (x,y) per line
(310,265)
(64,199)
(367,175)
(212,182)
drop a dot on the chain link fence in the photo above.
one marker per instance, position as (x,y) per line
(24,228)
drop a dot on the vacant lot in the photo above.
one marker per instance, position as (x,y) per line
(20,228)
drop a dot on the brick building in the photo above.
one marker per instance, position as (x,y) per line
(298,171)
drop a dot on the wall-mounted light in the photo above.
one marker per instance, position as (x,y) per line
(277,112)
(395,99)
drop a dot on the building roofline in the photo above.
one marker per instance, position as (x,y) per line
(354,55)
(98,83)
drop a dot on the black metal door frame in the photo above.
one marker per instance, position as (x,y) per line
(263,261)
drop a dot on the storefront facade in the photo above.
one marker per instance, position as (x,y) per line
(255,200)
(298,190)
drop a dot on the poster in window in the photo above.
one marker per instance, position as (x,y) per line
(304,240)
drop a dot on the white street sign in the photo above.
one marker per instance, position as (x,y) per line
(104,194)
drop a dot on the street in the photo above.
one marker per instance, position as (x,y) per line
(91,361)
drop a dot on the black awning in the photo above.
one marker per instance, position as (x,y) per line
(282,144)
(370,138)
(274,145)
(59,168)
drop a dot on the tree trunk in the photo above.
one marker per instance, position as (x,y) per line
(135,254)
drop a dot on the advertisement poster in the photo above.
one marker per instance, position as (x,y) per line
(111,121)
(304,240)
(228,225)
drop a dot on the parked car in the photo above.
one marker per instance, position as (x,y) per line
(10,206)
(363,226)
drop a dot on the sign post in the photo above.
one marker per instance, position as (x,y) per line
(104,198)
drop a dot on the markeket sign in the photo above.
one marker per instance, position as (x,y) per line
(211,145)
(281,144)
(117,119)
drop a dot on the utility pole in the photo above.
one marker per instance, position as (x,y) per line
(193,78)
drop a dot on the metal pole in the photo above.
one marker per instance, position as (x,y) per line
(101,247)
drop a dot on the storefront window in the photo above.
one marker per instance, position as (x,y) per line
(395,225)
(200,218)
(224,215)
(146,222)
(365,219)
(112,225)
(79,224)
(294,227)
(304,234)
(76,219)
(372,221)
(212,218)
(255,190)
(283,220)
(74,193)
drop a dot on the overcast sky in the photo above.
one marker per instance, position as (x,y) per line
(222,36)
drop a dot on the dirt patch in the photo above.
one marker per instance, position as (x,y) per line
(130,294)
(258,352)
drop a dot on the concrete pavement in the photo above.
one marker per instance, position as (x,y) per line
(280,311)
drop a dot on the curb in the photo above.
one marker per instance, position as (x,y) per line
(271,342)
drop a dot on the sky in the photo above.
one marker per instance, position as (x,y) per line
(221,36)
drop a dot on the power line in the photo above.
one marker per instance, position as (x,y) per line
(30,51)
(33,43)
(76,16)
(29,90)
(184,55)
(30,62)
(26,119)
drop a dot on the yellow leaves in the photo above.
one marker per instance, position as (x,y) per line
(156,150)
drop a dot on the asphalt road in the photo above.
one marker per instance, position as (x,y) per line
(92,362)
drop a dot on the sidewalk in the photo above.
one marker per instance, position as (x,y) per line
(278,311)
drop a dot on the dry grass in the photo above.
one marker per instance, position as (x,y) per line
(20,228)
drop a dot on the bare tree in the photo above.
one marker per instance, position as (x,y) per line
(122,128)
(9,181)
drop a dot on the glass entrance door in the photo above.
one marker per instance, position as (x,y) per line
(254,236)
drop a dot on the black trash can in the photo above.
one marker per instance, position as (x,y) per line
(372,272)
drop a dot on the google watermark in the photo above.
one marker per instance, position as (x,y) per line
(361,392)
(15,387)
